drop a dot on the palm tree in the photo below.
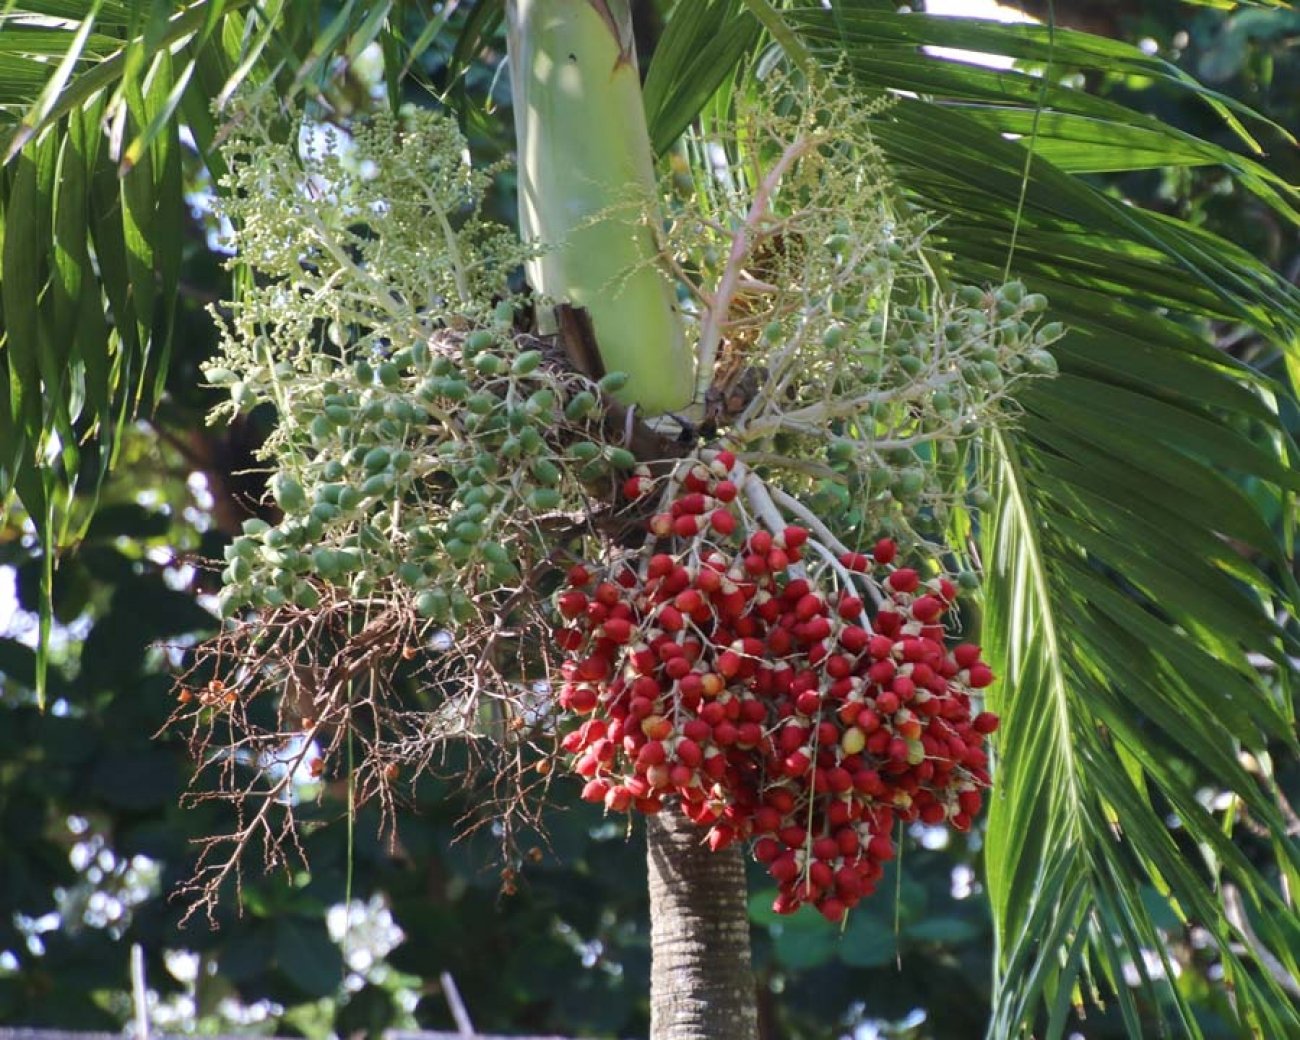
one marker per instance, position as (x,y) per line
(1137,551)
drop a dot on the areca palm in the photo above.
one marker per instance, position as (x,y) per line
(1137,552)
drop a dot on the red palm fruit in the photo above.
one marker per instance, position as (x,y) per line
(582,700)
(766,608)
(794,836)
(926,608)
(759,542)
(854,639)
(690,504)
(848,714)
(607,594)
(898,749)
(720,837)
(722,521)
(617,630)
(795,589)
(579,575)
(856,562)
(644,686)
(848,882)
(839,780)
(728,664)
(712,684)
(651,754)
(832,908)
(640,707)
(947,590)
(840,812)
(572,603)
(905,579)
(713,713)
(777,559)
(904,687)
(780,642)
(677,668)
(970,802)
(878,742)
(689,753)
(669,618)
(784,868)
(724,734)
(708,580)
(767,820)
(820,876)
(908,728)
(981,675)
(791,737)
(794,537)
(680,776)
(749,734)
(648,806)
(569,638)
(826,848)
(885,550)
(688,601)
(659,565)
(691,685)
(880,647)
(882,672)
(635,487)
(766,850)
(595,790)
(816,629)
(838,667)
(868,782)
(960,822)
(697,478)
(809,606)
(715,765)
(696,729)
(888,702)
(686,526)
(808,703)
(658,776)
(724,491)
(756,564)
(676,580)
(966,654)
(880,848)
(725,461)
(849,607)
(828,735)
(797,763)
(888,620)
(618,799)
(933,813)
(985,722)
(656,727)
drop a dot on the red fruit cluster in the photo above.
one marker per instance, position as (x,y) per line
(719,677)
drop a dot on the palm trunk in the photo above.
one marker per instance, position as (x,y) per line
(701,983)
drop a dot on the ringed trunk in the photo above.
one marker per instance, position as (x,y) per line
(701,982)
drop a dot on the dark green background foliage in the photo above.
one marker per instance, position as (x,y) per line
(568,952)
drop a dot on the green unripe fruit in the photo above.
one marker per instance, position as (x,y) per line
(911,364)
(462,609)
(321,429)
(459,551)
(401,461)
(990,374)
(489,365)
(968,580)
(511,448)
(410,574)
(613,382)
(363,373)
(541,402)
(288,493)
(420,354)
(585,451)
(526,363)
(441,366)
(434,604)
(349,560)
(240,570)
(910,482)
(542,499)
(593,470)
(980,498)
(530,439)
(326,562)
(1043,363)
(245,547)
(1035,302)
(971,295)
(580,406)
(242,395)
(479,339)
(468,531)
(389,374)
(546,472)
(833,337)
(324,512)
(495,553)
(220,376)
(482,403)
(272,596)
(349,499)
(1012,292)
(338,415)
(772,332)
(454,389)
(375,460)
(305,596)
(254,527)
(1052,330)
(620,458)
(841,451)
(504,313)
(378,485)
(332,470)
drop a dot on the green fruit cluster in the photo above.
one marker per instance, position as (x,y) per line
(426,471)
